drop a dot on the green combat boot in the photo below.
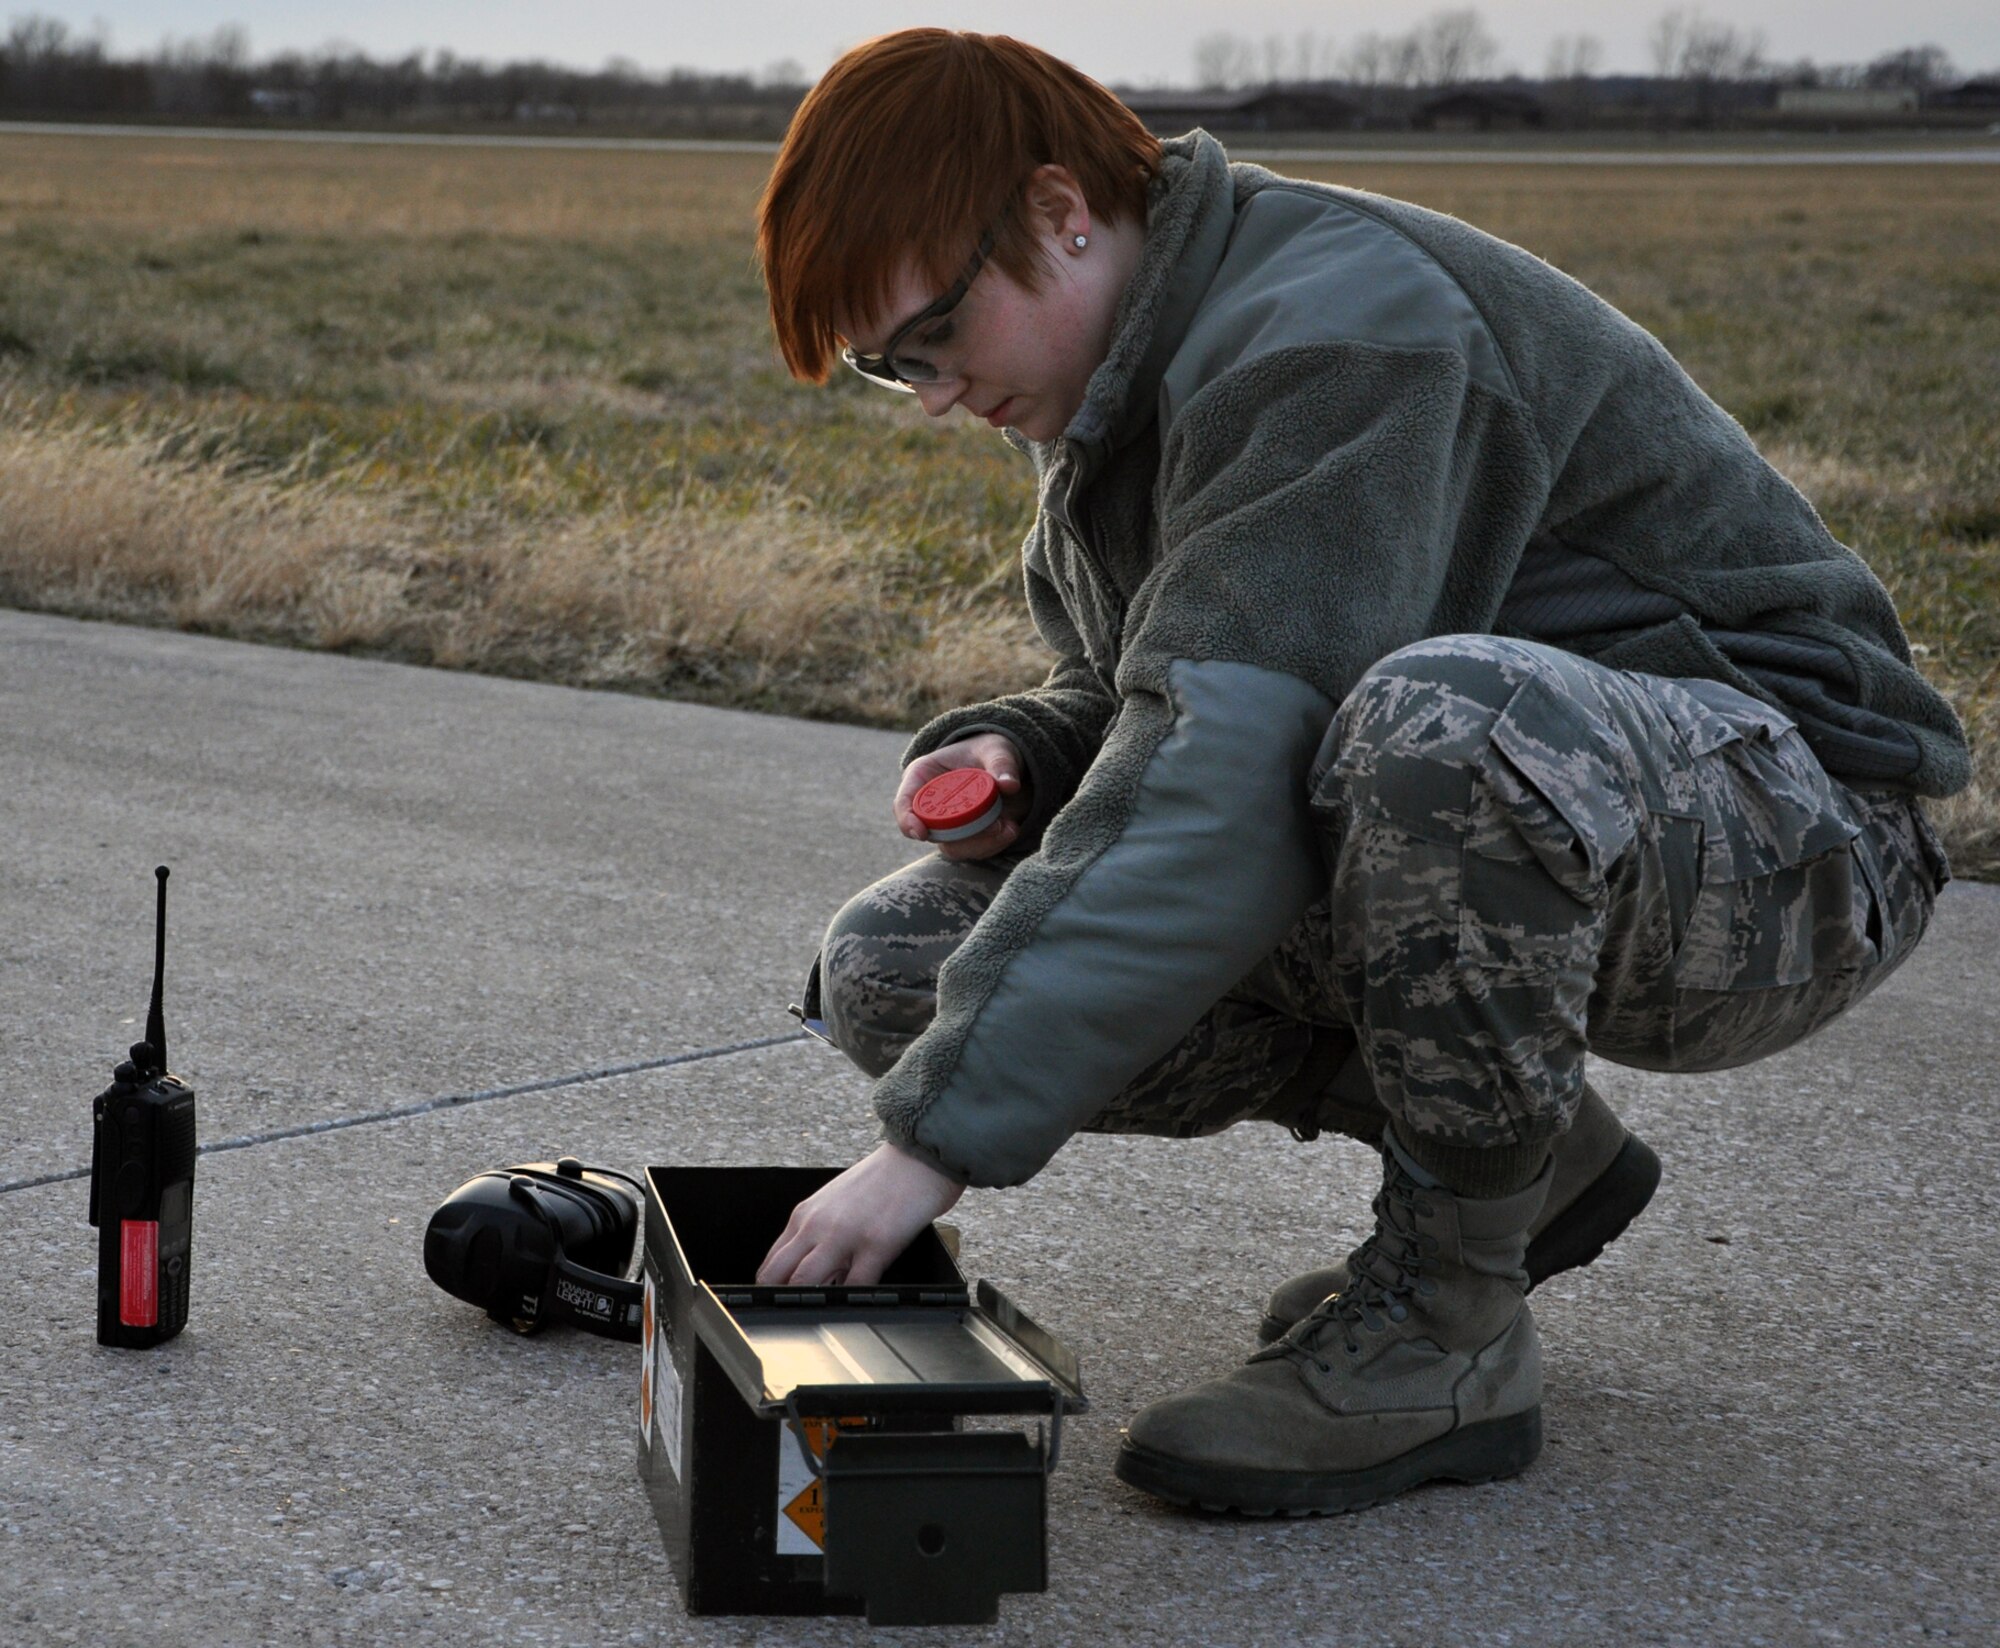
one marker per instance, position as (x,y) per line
(1604,1177)
(1425,1367)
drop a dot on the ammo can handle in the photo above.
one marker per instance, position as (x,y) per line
(1050,1445)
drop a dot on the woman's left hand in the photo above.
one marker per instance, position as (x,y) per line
(852,1227)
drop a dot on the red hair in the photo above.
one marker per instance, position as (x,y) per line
(912,146)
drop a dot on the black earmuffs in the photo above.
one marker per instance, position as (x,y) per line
(544,1242)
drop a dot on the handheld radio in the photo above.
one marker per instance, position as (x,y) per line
(142,1183)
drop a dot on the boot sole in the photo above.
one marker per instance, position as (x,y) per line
(1583,1230)
(1474,1453)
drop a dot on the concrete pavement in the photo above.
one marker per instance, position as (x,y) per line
(1770,1408)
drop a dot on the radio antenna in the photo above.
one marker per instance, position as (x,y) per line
(156,1025)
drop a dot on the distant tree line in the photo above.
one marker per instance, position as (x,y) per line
(1704,72)
(49,70)
(1454,48)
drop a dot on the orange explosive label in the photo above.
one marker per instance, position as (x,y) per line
(808,1512)
(806,1509)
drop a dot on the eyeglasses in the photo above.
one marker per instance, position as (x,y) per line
(905,372)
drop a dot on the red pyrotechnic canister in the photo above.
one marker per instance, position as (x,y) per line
(957,804)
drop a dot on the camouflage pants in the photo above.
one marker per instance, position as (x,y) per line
(1528,856)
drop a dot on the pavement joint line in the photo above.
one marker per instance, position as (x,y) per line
(447,1101)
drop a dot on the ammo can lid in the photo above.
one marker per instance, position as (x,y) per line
(958,803)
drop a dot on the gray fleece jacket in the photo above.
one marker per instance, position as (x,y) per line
(1331,424)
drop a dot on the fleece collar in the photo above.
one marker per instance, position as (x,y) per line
(1190,210)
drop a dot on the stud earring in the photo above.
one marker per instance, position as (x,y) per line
(1080,241)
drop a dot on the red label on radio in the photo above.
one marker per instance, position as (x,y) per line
(139,1273)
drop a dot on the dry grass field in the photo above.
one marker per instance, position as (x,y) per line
(517,410)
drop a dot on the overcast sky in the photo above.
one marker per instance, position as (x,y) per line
(1110,39)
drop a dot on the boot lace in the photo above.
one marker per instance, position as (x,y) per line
(1385,1273)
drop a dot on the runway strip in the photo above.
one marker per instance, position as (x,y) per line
(1349,156)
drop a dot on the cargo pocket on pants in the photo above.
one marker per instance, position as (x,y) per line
(1784,899)
(1550,815)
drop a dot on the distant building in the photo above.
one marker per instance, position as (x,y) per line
(547,114)
(283,102)
(1257,109)
(1974,94)
(1473,109)
(1847,102)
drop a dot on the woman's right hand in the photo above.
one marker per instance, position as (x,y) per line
(998,756)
